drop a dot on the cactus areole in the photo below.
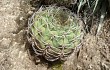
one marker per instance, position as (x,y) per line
(53,33)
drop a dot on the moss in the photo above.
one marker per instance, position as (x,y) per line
(57,67)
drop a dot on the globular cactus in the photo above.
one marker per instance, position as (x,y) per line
(53,32)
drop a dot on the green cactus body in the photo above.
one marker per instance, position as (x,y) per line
(56,31)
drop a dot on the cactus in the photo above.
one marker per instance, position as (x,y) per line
(53,32)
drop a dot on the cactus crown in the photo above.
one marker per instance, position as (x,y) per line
(54,32)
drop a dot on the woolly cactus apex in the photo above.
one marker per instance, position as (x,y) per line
(53,32)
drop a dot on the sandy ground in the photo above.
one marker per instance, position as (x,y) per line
(13,55)
(94,55)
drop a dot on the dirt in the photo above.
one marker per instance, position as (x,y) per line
(94,54)
(13,55)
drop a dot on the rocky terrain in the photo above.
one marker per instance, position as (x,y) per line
(94,54)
